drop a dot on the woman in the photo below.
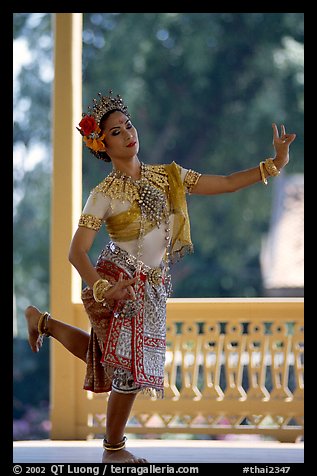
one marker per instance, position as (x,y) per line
(145,213)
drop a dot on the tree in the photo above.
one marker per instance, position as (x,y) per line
(203,89)
(32,160)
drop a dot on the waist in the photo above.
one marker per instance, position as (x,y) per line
(130,264)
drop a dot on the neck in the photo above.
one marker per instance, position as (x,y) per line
(131,167)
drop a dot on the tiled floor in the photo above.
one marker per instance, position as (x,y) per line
(161,451)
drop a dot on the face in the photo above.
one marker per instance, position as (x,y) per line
(121,137)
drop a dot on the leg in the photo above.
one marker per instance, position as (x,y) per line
(72,338)
(118,411)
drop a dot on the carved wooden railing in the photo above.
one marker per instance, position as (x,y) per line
(232,366)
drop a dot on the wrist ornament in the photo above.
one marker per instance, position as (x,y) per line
(100,287)
(264,180)
(271,168)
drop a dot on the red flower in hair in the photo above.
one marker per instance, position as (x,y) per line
(88,125)
(90,132)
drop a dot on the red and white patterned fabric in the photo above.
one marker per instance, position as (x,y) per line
(128,335)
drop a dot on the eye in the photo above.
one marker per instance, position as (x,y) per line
(115,133)
(129,125)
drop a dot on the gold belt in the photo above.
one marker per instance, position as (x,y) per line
(155,276)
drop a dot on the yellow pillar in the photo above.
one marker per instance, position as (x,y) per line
(66,207)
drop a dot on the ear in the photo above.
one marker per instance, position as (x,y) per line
(104,144)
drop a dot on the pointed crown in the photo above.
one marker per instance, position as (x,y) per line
(106,104)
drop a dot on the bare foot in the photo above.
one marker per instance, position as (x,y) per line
(32,315)
(121,456)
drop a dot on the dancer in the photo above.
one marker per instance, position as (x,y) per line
(145,213)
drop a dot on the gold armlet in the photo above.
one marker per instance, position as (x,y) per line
(90,221)
(99,289)
(191,178)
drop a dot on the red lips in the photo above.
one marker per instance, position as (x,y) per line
(131,144)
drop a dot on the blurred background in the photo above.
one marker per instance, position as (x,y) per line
(203,90)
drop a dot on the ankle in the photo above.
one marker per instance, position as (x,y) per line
(43,324)
(114,446)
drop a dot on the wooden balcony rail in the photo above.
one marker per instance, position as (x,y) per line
(233,366)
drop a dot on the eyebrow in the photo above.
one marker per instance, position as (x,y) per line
(118,127)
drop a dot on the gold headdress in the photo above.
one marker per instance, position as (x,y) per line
(89,125)
(106,104)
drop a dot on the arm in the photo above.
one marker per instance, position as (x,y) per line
(90,223)
(78,256)
(216,184)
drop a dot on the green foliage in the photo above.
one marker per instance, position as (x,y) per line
(31,241)
(195,81)
(32,93)
(203,90)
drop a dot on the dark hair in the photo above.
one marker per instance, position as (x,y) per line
(103,155)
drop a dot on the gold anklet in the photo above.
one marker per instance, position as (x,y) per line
(118,446)
(42,324)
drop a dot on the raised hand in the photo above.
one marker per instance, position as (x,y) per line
(281,145)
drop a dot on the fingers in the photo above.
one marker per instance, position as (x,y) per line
(282,131)
(125,286)
(283,134)
(126,282)
(285,138)
(275,131)
(289,138)
(128,285)
(131,293)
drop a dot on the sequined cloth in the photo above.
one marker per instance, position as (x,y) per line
(128,339)
(129,335)
(125,226)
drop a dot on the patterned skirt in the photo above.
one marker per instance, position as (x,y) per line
(127,342)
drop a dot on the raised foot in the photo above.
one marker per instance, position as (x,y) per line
(32,315)
(121,456)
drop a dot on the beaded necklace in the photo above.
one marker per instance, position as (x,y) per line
(149,192)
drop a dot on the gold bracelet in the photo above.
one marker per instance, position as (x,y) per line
(271,167)
(99,289)
(264,180)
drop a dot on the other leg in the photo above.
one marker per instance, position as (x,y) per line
(72,338)
(118,411)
